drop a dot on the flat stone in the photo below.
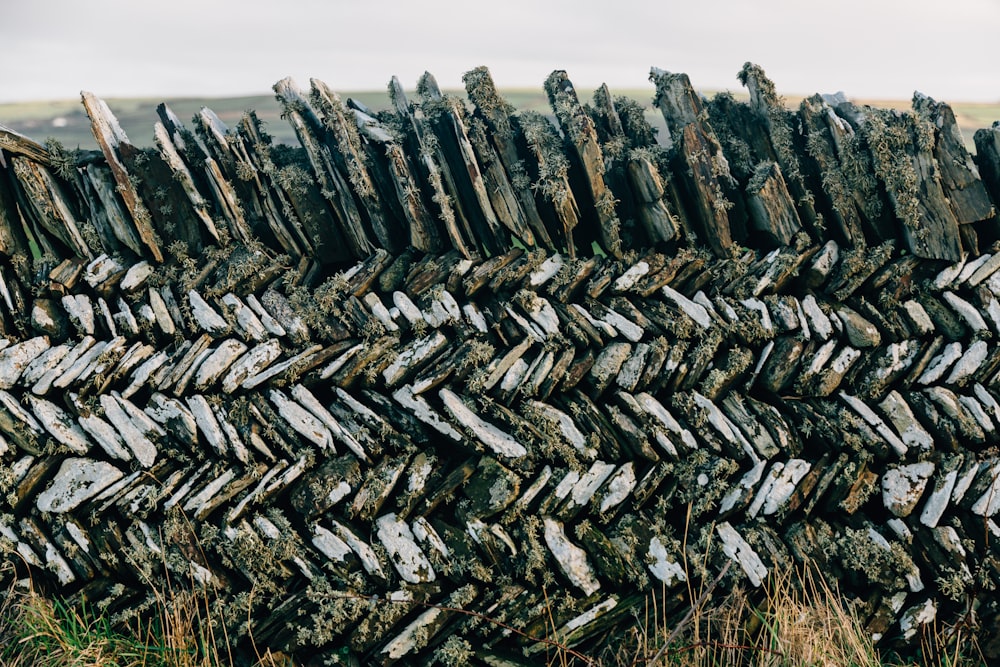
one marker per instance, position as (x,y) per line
(15,358)
(590,482)
(902,486)
(912,619)
(301,420)
(399,541)
(718,420)
(988,503)
(572,560)
(300,360)
(937,501)
(363,550)
(918,316)
(306,399)
(910,430)
(619,487)
(409,310)
(205,316)
(660,565)
(624,326)
(819,322)
(784,485)
(740,492)
(48,318)
(77,481)
(443,309)
(875,422)
(161,312)
(135,439)
(966,311)
(860,332)
(250,364)
(43,363)
(603,327)
(629,278)
(948,275)
(759,307)
(247,323)
(512,379)
(753,429)
(823,263)
(546,271)
(330,545)
(666,420)
(475,317)
(135,278)
(412,356)
(270,324)
(495,439)
(380,312)
(218,362)
(422,410)
(205,422)
(940,364)
(105,435)
(608,364)
(81,312)
(734,546)
(541,313)
(969,362)
(984,270)
(59,424)
(688,307)
(99,270)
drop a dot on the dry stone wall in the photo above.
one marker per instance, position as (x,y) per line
(454,359)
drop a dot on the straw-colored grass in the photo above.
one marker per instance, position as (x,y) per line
(38,630)
(799,620)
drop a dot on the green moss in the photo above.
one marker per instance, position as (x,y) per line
(889,137)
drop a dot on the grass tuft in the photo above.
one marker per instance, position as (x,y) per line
(797,619)
(38,630)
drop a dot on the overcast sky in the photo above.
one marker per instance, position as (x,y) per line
(51,49)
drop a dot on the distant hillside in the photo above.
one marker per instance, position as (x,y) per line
(65,121)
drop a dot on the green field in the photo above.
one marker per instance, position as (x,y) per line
(65,121)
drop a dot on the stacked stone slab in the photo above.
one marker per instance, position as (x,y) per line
(452,359)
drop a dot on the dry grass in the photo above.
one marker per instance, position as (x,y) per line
(798,619)
(37,630)
(802,624)
(801,620)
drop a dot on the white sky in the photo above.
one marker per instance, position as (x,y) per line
(51,49)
